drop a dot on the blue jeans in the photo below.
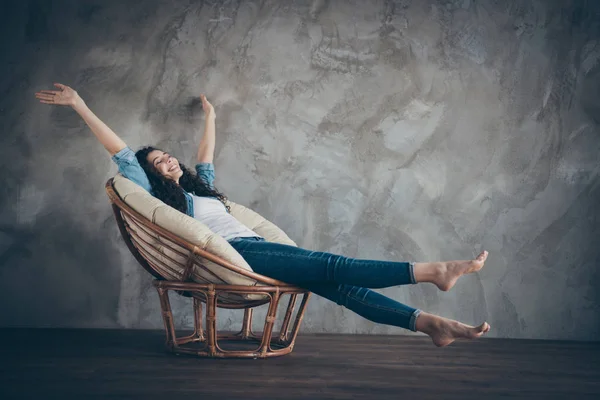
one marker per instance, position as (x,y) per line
(340,279)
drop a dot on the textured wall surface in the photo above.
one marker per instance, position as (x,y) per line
(399,130)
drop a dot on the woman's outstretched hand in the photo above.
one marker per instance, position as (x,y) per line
(209,110)
(66,96)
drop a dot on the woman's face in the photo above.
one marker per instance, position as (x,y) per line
(165,164)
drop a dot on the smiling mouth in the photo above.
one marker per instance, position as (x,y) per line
(173,168)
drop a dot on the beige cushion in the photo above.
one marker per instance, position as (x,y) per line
(259,224)
(173,260)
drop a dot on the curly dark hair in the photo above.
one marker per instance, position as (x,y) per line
(169,191)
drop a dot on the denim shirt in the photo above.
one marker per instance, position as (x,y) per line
(131,169)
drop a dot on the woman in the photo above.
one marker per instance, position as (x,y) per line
(340,279)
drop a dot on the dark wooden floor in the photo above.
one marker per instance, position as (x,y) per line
(83,364)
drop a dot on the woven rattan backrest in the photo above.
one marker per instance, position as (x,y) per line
(169,257)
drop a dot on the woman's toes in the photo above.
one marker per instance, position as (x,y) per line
(483,328)
(482,256)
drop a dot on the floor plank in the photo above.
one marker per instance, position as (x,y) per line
(52,363)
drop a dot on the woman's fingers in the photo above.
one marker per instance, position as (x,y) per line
(44,96)
(49,91)
(205,102)
(46,102)
(60,85)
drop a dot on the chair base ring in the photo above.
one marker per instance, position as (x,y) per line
(210,343)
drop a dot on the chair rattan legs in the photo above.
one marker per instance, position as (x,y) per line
(209,343)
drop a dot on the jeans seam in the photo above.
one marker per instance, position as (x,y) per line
(375,305)
(278,253)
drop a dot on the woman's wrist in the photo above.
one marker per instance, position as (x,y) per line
(210,120)
(78,104)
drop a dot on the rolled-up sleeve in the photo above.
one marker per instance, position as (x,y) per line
(131,169)
(206,171)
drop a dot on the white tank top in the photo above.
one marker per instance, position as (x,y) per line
(212,213)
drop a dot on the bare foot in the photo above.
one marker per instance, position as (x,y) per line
(444,331)
(452,270)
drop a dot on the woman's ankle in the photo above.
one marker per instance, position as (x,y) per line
(428,272)
(425,322)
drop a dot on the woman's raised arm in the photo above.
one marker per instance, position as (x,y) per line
(66,96)
(206,148)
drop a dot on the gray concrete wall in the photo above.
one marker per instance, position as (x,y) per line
(407,130)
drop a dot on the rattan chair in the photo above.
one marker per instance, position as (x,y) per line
(180,266)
